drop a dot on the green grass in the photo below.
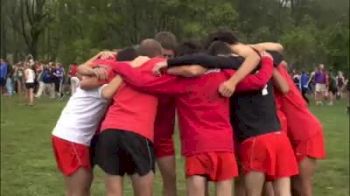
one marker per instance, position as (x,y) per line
(28,167)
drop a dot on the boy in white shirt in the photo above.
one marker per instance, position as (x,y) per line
(77,125)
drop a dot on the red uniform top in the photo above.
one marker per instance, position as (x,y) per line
(302,124)
(132,110)
(281,116)
(165,118)
(203,113)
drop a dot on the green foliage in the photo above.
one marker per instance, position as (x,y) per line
(300,44)
(67,30)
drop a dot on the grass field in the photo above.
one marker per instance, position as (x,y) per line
(28,167)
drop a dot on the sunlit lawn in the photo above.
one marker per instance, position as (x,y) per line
(28,167)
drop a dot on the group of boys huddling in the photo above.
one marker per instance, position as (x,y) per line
(237,107)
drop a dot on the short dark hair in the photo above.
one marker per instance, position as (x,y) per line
(188,47)
(166,39)
(127,54)
(223,34)
(150,48)
(219,48)
(277,57)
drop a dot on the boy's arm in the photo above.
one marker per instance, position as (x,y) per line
(149,83)
(268,46)
(279,82)
(86,68)
(251,61)
(112,87)
(187,71)
(207,61)
(259,80)
(108,91)
(201,62)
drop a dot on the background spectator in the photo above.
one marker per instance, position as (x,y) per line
(48,82)
(19,77)
(320,84)
(29,83)
(3,75)
(304,84)
(331,86)
(58,79)
(73,79)
(296,77)
(340,84)
(9,81)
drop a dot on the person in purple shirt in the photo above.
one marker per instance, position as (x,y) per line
(320,84)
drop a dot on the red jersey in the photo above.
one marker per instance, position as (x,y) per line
(302,124)
(165,118)
(281,116)
(132,110)
(203,113)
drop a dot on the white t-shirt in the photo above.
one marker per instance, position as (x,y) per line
(81,116)
(30,75)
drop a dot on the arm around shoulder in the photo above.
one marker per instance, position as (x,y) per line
(187,71)
(109,90)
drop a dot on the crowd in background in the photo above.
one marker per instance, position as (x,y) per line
(322,83)
(35,78)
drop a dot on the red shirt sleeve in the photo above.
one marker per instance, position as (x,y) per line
(147,82)
(259,80)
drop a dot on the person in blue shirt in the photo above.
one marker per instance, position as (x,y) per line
(304,84)
(47,79)
(3,74)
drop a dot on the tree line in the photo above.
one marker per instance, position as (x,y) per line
(312,31)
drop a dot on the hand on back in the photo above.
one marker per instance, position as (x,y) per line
(227,88)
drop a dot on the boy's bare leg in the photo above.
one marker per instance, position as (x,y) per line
(239,186)
(254,183)
(143,185)
(114,185)
(303,181)
(282,187)
(167,168)
(196,186)
(224,188)
(79,183)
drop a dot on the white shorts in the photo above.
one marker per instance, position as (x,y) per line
(320,87)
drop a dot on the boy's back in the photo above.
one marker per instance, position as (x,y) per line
(80,117)
(204,115)
(131,109)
